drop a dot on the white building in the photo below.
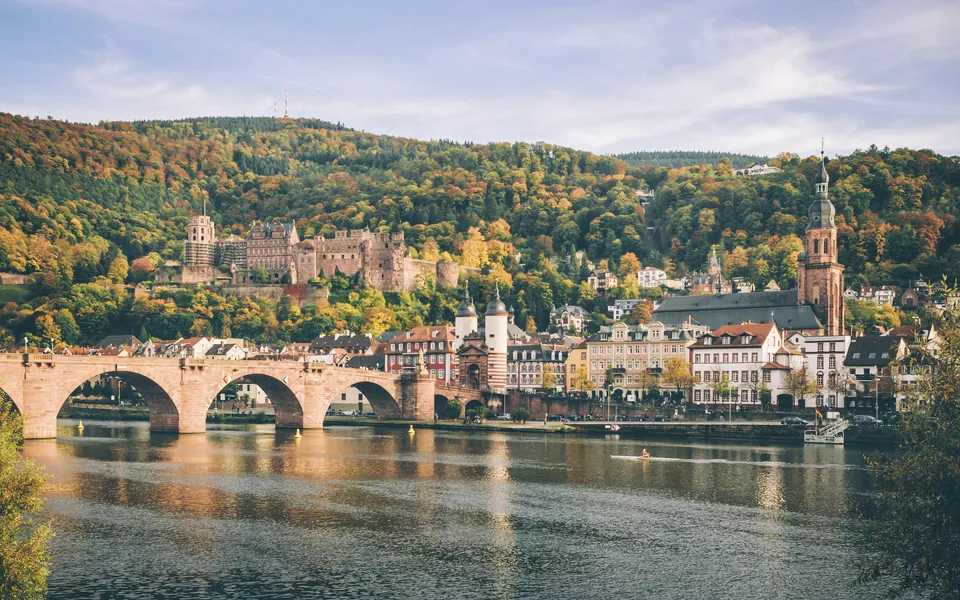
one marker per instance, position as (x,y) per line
(649,277)
(569,318)
(622,308)
(880,295)
(763,169)
(823,356)
(748,356)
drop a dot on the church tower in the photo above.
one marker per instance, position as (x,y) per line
(820,276)
(465,322)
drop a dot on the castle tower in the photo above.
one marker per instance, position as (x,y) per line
(820,275)
(465,322)
(495,333)
(199,249)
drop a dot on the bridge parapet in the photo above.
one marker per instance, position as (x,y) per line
(192,363)
(38,358)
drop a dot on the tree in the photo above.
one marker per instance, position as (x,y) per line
(453,408)
(24,560)
(531,326)
(118,270)
(629,265)
(915,530)
(549,381)
(641,313)
(721,388)
(799,384)
(259,275)
(677,373)
(645,380)
(431,250)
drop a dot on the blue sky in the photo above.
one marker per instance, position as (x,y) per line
(743,76)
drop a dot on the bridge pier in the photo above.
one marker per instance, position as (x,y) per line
(417,391)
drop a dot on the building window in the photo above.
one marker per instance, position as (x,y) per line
(735,357)
(820,383)
(696,395)
(754,357)
(766,376)
(820,361)
(833,362)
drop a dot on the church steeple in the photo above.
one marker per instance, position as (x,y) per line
(821,212)
(820,275)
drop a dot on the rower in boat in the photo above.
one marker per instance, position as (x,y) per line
(644,454)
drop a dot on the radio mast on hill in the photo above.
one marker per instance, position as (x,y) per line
(286,105)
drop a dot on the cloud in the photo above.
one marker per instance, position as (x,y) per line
(143,12)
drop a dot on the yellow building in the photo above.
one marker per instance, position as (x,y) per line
(637,354)
(576,358)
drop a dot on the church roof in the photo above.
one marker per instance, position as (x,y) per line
(732,309)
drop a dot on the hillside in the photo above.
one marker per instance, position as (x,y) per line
(85,208)
(675,159)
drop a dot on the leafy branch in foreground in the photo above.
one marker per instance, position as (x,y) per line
(915,531)
(24,560)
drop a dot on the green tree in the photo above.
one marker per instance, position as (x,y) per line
(259,275)
(24,559)
(916,515)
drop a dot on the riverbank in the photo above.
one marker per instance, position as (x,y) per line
(756,432)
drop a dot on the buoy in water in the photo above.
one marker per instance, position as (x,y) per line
(411,431)
(297,434)
(80,427)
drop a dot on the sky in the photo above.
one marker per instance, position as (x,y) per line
(757,77)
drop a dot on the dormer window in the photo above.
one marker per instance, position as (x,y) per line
(708,341)
(744,339)
(725,340)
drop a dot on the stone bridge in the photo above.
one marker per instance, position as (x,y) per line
(179,391)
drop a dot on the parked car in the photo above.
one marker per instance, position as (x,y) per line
(793,421)
(504,417)
(867,421)
(350,413)
(660,418)
(555,417)
(638,417)
(573,417)
(331,412)
(371,415)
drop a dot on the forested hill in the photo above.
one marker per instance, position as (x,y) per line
(75,197)
(674,159)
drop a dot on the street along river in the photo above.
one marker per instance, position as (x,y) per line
(361,512)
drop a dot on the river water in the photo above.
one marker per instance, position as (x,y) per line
(361,512)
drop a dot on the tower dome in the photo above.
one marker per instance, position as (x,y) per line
(496,306)
(821,212)
(466,308)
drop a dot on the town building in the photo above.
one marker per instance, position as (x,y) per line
(751,358)
(711,282)
(824,356)
(878,294)
(569,318)
(869,362)
(602,281)
(575,366)
(756,169)
(225,351)
(528,366)
(435,344)
(622,308)
(636,354)
(649,277)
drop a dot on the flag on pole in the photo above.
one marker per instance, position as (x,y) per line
(819,415)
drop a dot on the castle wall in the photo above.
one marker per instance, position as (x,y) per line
(197,274)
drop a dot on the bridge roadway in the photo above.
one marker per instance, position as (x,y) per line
(179,391)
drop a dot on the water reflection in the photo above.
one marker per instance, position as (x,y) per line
(361,512)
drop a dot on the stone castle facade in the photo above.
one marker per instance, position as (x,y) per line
(379,258)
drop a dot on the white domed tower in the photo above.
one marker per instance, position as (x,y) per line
(496,319)
(465,322)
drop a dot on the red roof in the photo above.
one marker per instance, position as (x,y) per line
(757,331)
(773,365)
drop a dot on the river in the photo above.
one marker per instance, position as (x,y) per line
(361,512)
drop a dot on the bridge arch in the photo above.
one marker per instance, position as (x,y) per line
(287,408)
(382,401)
(164,410)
